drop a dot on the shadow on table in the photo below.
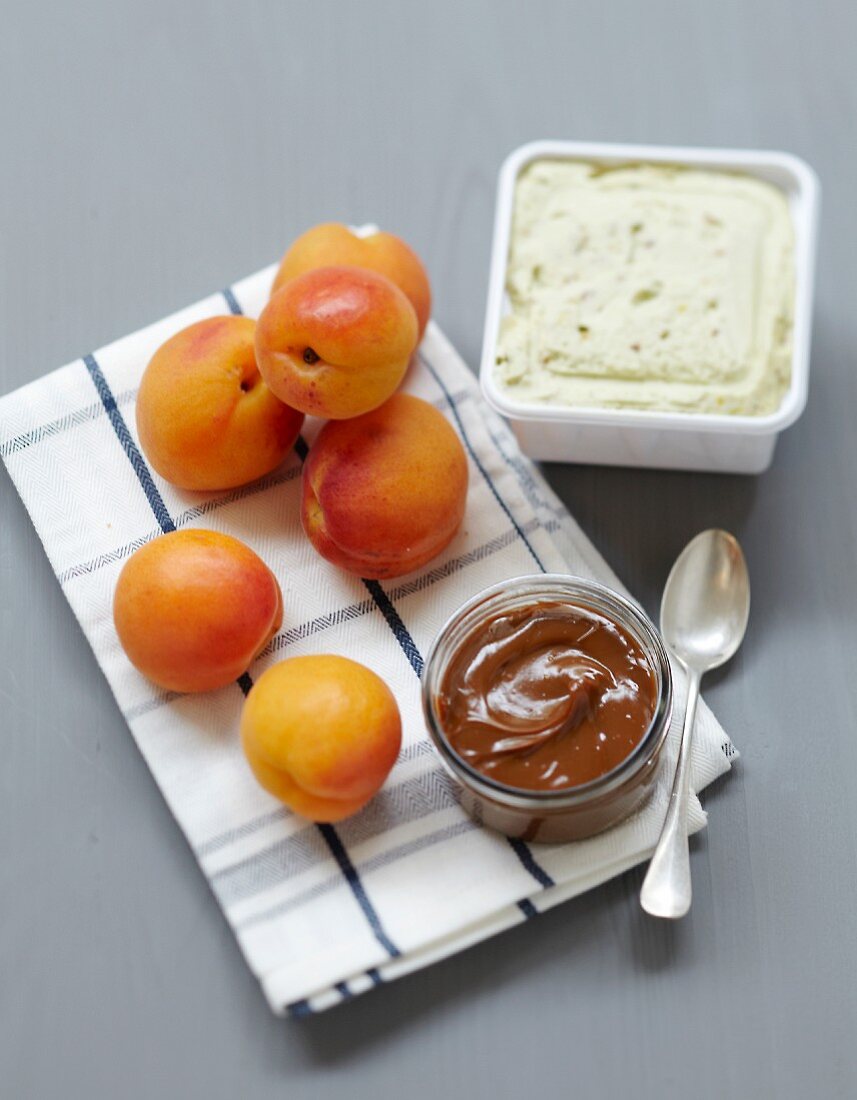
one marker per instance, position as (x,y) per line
(658,944)
(554,938)
(549,949)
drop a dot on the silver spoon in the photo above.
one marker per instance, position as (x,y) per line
(703,619)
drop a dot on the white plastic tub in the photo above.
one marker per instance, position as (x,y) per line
(680,441)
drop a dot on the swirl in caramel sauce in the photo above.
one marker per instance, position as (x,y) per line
(547,697)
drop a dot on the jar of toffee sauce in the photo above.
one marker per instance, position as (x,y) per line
(549,698)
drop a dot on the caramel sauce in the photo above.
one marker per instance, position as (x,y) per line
(547,697)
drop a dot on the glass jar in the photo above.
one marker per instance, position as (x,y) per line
(574,812)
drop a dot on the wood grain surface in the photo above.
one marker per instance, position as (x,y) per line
(153,152)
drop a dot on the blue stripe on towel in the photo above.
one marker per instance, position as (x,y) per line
(302,1008)
(339,853)
(82,569)
(129,446)
(394,621)
(526,857)
(56,427)
(232,301)
(476,459)
(15,444)
(527,908)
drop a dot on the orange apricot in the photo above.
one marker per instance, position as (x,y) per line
(384,493)
(193,609)
(336,341)
(335,244)
(321,733)
(205,418)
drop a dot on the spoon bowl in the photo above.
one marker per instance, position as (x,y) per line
(706,601)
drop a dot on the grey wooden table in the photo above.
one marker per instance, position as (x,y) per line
(153,152)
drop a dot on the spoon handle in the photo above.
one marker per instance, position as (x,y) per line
(666,888)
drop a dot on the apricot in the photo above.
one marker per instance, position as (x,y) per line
(385,253)
(194,608)
(205,418)
(336,341)
(384,493)
(321,734)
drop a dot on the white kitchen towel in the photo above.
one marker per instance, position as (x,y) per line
(321,912)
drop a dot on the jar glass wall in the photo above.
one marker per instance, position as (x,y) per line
(572,812)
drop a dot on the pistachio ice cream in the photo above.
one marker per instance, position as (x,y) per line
(648,287)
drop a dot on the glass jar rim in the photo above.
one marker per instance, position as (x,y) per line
(577,592)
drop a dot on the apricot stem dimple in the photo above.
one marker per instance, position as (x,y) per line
(310,356)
